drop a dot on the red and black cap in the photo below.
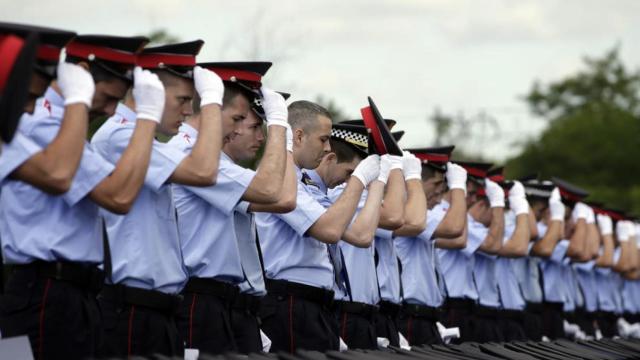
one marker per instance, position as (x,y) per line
(247,74)
(476,171)
(497,176)
(537,189)
(51,42)
(390,122)
(397,135)
(18,59)
(569,192)
(354,135)
(177,59)
(434,157)
(382,142)
(116,55)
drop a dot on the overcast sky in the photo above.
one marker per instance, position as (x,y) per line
(411,56)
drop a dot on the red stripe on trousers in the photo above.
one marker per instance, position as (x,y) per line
(409,330)
(291,343)
(130,334)
(193,306)
(344,327)
(41,327)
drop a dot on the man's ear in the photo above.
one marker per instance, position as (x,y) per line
(331,156)
(298,134)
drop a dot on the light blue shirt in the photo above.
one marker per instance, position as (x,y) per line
(15,153)
(359,262)
(573,297)
(457,265)
(417,255)
(144,244)
(37,226)
(288,253)
(608,287)
(630,296)
(387,269)
(554,286)
(527,270)
(585,275)
(510,293)
(206,219)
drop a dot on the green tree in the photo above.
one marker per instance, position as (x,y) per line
(594,132)
(337,113)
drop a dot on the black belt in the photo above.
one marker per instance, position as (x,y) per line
(247,303)
(152,299)
(358,308)
(535,308)
(421,311)
(311,293)
(86,276)
(220,289)
(511,314)
(485,311)
(557,306)
(389,308)
(459,303)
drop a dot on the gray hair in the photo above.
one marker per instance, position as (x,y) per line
(304,114)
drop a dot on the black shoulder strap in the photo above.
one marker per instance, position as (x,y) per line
(107,253)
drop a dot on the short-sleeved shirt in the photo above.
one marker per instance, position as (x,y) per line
(144,244)
(417,255)
(527,270)
(15,153)
(585,276)
(552,273)
(207,222)
(387,267)
(37,226)
(457,265)
(607,286)
(510,292)
(289,254)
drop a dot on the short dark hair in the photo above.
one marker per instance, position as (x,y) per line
(231,90)
(98,73)
(303,114)
(428,172)
(344,152)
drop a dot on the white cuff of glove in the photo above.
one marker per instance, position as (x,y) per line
(289,138)
(519,205)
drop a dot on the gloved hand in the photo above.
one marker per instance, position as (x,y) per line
(208,85)
(591,216)
(517,199)
(456,177)
(385,168)
(580,211)
(411,166)
(605,224)
(368,170)
(148,93)
(76,84)
(495,194)
(622,231)
(289,139)
(632,230)
(556,207)
(275,108)
(396,162)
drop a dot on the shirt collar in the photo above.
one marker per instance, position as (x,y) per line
(318,180)
(125,112)
(298,173)
(53,97)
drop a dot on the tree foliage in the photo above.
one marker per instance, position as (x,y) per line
(593,136)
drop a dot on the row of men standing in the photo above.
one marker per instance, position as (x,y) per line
(135,246)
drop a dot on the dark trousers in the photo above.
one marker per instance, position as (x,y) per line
(512,325)
(387,322)
(356,325)
(486,325)
(131,329)
(204,322)
(607,323)
(61,319)
(459,313)
(245,324)
(553,320)
(296,321)
(532,317)
(585,320)
(418,324)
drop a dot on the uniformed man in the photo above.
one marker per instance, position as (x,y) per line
(420,283)
(144,266)
(219,254)
(296,311)
(49,223)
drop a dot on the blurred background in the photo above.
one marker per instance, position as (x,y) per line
(548,87)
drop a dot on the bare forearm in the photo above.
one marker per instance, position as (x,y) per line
(288,196)
(415,213)
(267,185)
(330,227)
(453,244)
(454,222)
(606,259)
(544,247)
(360,233)
(202,163)
(392,213)
(593,240)
(493,241)
(517,245)
(577,248)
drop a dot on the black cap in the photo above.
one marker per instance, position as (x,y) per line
(569,192)
(397,135)
(115,54)
(16,67)
(476,171)
(382,142)
(390,122)
(538,189)
(247,74)
(177,59)
(51,42)
(354,135)
(434,157)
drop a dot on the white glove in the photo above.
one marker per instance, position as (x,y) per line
(456,177)
(289,139)
(208,85)
(517,199)
(622,231)
(605,224)
(368,170)
(396,162)
(632,230)
(411,166)
(76,84)
(495,194)
(556,207)
(275,108)
(385,168)
(591,216)
(637,225)
(148,94)
(580,211)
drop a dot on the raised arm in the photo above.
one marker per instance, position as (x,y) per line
(392,214)
(455,221)
(361,232)
(606,231)
(493,241)
(544,247)
(288,196)
(578,241)
(518,243)
(415,204)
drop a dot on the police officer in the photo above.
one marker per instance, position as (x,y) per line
(214,250)
(421,290)
(144,266)
(50,295)
(300,275)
